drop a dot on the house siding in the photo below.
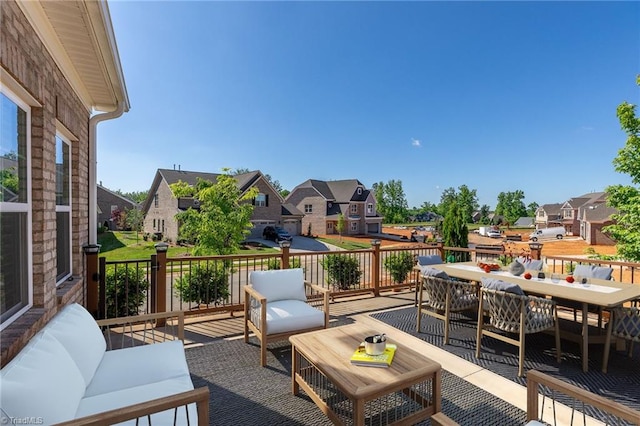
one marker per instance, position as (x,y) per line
(106,199)
(25,58)
(271,212)
(166,210)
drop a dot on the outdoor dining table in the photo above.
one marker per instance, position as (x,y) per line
(597,292)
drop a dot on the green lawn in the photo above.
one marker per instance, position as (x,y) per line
(123,245)
(347,245)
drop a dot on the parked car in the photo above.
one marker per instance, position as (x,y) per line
(276,233)
(557,232)
(494,233)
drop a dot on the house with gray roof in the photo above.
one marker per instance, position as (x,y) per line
(570,208)
(110,205)
(322,203)
(548,215)
(161,205)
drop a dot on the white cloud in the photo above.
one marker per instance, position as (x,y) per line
(415,142)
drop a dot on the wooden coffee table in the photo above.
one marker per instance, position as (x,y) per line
(406,393)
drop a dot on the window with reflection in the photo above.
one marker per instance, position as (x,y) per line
(63,209)
(15,207)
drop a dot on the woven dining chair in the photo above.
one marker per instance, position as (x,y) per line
(624,322)
(444,296)
(515,314)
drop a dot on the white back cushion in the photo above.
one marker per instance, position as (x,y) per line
(77,331)
(41,381)
(280,284)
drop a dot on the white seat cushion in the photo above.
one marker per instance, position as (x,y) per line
(289,315)
(41,381)
(78,332)
(121,398)
(281,284)
(144,364)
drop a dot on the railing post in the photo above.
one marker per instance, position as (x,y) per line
(102,298)
(440,248)
(536,250)
(161,279)
(153,296)
(284,247)
(375,267)
(91,277)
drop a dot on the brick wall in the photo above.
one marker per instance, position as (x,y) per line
(166,210)
(25,59)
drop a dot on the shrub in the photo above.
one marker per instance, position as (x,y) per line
(569,268)
(399,265)
(275,263)
(205,284)
(343,271)
(126,291)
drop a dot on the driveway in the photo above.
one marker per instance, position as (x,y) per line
(301,244)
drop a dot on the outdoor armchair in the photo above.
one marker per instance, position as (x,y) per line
(444,296)
(624,322)
(279,304)
(515,314)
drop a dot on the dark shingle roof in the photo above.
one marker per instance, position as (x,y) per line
(289,209)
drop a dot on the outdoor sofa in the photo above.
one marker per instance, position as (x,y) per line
(65,374)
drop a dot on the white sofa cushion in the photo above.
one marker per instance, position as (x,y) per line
(42,381)
(140,365)
(290,315)
(280,284)
(78,332)
(129,396)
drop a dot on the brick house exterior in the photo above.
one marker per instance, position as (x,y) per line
(570,211)
(593,216)
(548,215)
(322,202)
(108,202)
(161,205)
(58,66)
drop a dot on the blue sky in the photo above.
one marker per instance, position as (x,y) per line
(499,96)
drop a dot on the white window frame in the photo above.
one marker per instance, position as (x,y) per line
(22,208)
(261,200)
(67,208)
(308,208)
(369,208)
(353,208)
(329,226)
(354,226)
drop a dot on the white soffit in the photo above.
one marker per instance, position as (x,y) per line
(79,37)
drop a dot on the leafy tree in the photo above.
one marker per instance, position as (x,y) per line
(511,205)
(135,196)
(340,225)
(126,291)
(223,219)
(484,214)
(626,198)
(531,209)
(391,201)
(466,199)
(134,219)
(455,232)
(275,263)
(8,180)
(284,193)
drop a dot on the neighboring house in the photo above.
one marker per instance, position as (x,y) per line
(161,206)
(524,222)
(109,203)
(322,203)
(548,215)
(476,216)
(59,72)
(569,210)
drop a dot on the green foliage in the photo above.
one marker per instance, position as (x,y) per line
(134,219)
(399,265)
(275,263)
(569,268)
(343,271)
(341,225)
(465,198)
(205,283)
(531,209)
(135,196)
(626,229)
(391,202)
(484,214)
(8,180)
(511,205)
(223,220)
(126,291)
(455,232)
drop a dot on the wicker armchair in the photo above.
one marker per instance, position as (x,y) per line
(443,297)
(623,323)
(516,314)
